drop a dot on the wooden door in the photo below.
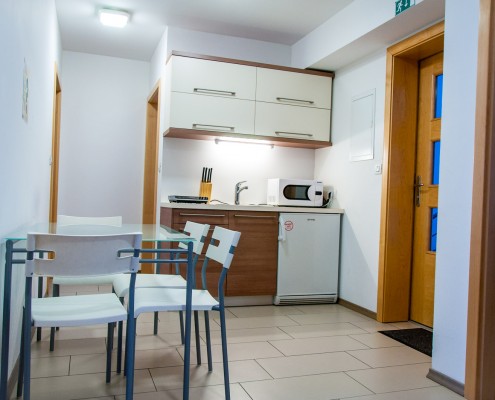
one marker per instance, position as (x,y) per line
(426,189)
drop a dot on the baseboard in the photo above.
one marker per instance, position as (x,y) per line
(355,307)
(444,380)
(239,301)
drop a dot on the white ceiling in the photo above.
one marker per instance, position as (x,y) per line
(277,21)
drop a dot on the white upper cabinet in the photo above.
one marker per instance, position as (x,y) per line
(211,114)
(300,89)
(292,122)
(213,78)
(207,97)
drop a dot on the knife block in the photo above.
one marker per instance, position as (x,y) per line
(205,190)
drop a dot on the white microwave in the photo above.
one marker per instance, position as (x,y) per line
(294,192)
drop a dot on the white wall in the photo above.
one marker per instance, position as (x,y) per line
(183,161)
(102,136)
(158,60)
(28,35)
(356,188)
(361,29)
(228,46)
(456,183)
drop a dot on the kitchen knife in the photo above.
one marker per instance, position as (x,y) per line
(203,176)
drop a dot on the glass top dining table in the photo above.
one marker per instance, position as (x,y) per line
(151,232)
(15,254)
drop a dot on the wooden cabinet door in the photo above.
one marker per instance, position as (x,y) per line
(176,219)
(284,87)
(254,268)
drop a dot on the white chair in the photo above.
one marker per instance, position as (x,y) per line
(70,220)
(157,280)
(75,256)
(221,249)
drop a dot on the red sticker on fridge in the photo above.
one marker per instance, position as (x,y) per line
(289,225)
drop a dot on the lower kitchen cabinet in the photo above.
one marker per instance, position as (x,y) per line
(254,268)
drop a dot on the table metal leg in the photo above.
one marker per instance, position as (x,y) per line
(187,347)
(6,318)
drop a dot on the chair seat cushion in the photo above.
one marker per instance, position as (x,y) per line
(121,282)
(84,280)
(171,299)
(77,310)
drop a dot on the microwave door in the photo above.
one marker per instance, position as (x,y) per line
(297,192)
(312,194)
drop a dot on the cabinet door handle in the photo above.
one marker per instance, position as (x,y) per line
(214,91)
(206,127)
(253,216)
(286,99)
(201,215)
(293,133)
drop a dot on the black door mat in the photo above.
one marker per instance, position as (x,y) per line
(418,338)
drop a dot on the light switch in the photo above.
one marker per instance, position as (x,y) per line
(378,169)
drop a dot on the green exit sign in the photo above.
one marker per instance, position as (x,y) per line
(403,5)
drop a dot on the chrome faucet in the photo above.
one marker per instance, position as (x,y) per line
(238,190)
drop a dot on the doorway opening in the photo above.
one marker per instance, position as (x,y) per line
(151,162)
(399,171)
(151,165)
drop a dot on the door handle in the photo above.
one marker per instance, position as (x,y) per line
(278,133)
(214,91)
(417,190)
(207,127)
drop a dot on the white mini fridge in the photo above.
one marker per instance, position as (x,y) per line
(308,258)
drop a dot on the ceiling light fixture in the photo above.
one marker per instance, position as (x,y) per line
(113,18)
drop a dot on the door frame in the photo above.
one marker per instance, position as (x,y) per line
(480,347)
(151,154)
(399,160)
(151,165)
(57,104)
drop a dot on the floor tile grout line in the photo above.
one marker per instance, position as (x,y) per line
(245,391)
(363,385)
(263,368)
(153,380)
(394,391)
(359,359)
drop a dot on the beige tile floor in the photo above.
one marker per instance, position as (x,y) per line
(313,352)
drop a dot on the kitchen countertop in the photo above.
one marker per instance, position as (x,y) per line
(242,207)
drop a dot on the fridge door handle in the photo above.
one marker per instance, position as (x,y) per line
(281,231)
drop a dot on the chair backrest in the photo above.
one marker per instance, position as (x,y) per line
(68,220)
(79,255)
(199,233)
(223,250)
